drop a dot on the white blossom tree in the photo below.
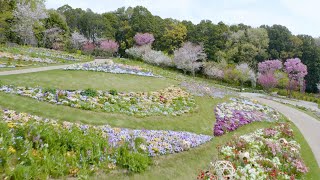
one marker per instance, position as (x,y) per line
(189,57)
(78,40)
(26,16)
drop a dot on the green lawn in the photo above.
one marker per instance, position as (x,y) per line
(87,79)
(184,165)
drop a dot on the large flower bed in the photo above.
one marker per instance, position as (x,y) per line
(202,89)
(269,153)
(41,54)
(26,58)
(170,101)
(155,142)
(239,112)
(111,67)
(36,148)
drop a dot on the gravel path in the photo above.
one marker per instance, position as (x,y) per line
(309,126)
(31,70)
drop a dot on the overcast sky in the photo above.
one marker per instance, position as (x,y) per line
(300,16)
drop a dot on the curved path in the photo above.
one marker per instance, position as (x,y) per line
(309,126)
(48,68)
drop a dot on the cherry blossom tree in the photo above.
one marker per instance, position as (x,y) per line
(267,80)
(78,40)
(245,74)
(109,46)
(269,66)
(296,71)
(26,16)
(143,39)
(189,57)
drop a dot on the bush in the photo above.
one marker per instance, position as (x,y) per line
(89,92)
(133,161)
(113,92)
(157,58)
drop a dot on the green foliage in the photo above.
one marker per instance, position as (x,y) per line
(89,92)
(113,92)
(50,90)
(133,161)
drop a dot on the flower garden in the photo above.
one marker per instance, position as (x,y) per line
(20,56)
(269,153)
(118,132)
(170,101)
(111,67)
(239,112)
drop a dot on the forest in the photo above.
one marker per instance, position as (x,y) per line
(75,29)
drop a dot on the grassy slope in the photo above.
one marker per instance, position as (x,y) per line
(178,166)
(85,79)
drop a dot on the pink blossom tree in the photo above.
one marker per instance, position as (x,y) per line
(143,39)
(296,71)
(267,80)
(109,46)
(88,47)
(269,66)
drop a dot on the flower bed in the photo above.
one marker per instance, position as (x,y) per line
(269,153)
(6,66)
(26,58)
(37,148)
(239,112)
(170,101)
(42,53)
(155,142)
(111,67)
(202,89)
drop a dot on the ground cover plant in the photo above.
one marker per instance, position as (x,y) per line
(269,153)
(239,112)
(170,101)
(111,67)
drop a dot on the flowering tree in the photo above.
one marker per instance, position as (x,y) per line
(267,80)
(109,46)
(138,51)
(245,73)
(189,57)
(88,47)
(269,66)
(78,40)
(26,16)
(157,58)
(143,39)
(296,71)
(318,86)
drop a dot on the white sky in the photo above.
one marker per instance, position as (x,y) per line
(300,16)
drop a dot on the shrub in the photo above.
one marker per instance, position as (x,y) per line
(133,161)
(113,92)
(138,52)
(89,92)
(143,39)
(157,58)
(189,57)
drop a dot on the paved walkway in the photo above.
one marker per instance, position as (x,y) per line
(48,68)
(309,126)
